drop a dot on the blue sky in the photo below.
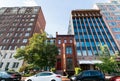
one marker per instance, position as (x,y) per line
(56,12)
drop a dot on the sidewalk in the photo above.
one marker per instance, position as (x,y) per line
(64,78)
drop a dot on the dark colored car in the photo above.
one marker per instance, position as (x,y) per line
(89,75)
(10,76)
(115,78)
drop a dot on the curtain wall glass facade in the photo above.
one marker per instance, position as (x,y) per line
(90,31)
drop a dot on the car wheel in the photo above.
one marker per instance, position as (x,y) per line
(29,80)
(78,80)
(3,80)
(53,80)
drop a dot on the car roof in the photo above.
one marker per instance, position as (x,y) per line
(92,70)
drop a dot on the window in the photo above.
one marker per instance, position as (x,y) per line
(32,19)
(20,34)
(65,41)
(69,63)
(13,40)
(59,41)
(30,24)
(79,53)
(23,29)
(68,50)
(116,29)
(5,55)
(70,40)
(109,18)
(112,23)
(10,47)
(33,15)
(22,47)
(117,36)
(7,65)
(24,40)
(1,64)
(3,47)
(18,41)
(15,47)
(28,29)
(16,34)
(27,34)
(59,50)
(11,55)
(15,65)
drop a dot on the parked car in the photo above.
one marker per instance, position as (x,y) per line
(10,76)
(115,78)
(89,75)
(45,76)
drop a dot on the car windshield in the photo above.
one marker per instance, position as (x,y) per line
(43,74)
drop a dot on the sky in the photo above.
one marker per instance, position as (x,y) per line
(56,12)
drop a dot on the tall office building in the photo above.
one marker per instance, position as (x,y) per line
(90,31)
(111,15)
(17,25)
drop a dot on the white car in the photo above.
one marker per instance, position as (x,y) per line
(45,76)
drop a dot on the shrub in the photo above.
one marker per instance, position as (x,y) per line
(53,70)
(77,70)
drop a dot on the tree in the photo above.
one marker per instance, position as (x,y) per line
(109,64)
(38,52)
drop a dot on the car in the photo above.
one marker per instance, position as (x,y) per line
(89,75)
(115,78)
(9,76)
(45,76)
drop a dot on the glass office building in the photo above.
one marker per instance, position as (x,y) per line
(90,31)
(111,13)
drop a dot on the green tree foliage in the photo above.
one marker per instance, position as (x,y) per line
(38,52)
(109,64)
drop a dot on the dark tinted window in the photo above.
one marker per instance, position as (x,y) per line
(95,73)
(87,73)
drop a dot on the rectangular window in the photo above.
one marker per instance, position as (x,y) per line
(69,63)
(30,24)
(27,34)
(24,40)
(59,50)
(68,50)
(59,41)
(10,47)
(15,65)
(28,29)
(5,55)
(13,40)
(7,65)
(1,64)
(65,41)
(117,36)
(11,55)
(112,23)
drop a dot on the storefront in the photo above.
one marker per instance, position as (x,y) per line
(88,64)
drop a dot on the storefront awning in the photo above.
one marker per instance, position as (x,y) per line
(89,61)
